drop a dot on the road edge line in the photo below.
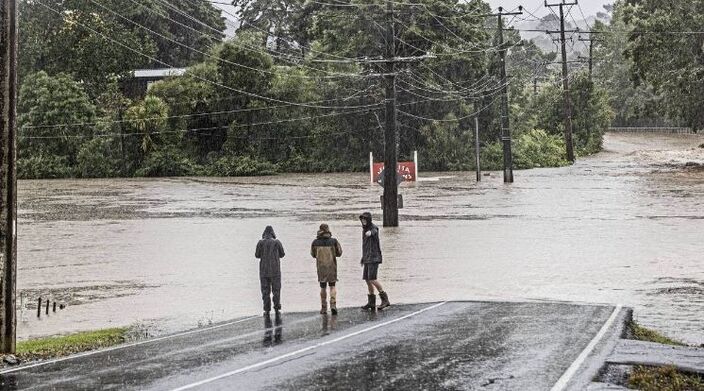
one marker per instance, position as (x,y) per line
(570,372)
(124,346)
(303,350)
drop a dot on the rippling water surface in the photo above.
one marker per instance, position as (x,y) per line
(624,226)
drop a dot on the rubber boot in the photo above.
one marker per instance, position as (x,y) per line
(384,301)
(371,303)
(323,303)
(333,302)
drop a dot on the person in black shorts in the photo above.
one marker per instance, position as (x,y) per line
(371,259)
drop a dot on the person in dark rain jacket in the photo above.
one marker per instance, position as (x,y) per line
(269,252)
(371,259)
(325,249)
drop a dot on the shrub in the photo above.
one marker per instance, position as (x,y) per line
(492,156)
(43,167)
(168,161)
(537,148)
(534,149)
(241,166)
(95,160)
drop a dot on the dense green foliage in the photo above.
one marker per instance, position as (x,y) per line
(591,116)
(296,90)
(93,40)
(667,53)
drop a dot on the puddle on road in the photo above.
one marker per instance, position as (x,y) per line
(624,226)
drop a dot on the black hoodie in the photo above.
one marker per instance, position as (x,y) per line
(269,251)
(371,248)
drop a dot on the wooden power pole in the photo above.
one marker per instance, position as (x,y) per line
(591,41)
(8,178)
(505,123)
(390,129)
(565,81)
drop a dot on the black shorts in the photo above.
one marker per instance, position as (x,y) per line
(370,270)
(330,284)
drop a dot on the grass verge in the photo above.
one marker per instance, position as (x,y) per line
(641,333)
(664,379)
(53,347)
(660,378)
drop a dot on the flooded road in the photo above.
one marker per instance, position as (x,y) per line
(625,226)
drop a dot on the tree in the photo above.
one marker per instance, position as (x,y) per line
(118,33)
(148,126)
(190,98)
(71,41)
(273,18)
(591,117)
(667,57)
(633,104)
(55,116)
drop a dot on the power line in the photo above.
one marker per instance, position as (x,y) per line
(243,92)
(78,124)
(310,49)
(451,120)
(269,52)
(108,135)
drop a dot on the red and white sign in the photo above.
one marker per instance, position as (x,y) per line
(406,169)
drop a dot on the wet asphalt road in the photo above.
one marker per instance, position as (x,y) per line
(448,346)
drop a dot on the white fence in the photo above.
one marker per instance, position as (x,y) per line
(654,129)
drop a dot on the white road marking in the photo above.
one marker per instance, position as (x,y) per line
(303,350)
(570,372)
(125,346)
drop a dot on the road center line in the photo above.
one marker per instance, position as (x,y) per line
(569,373)
(306,349)
(125,346)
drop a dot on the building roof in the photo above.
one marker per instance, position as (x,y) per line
(158,73)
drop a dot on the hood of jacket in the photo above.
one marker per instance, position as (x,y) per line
(324,235)
(367,216)
(324,232)
(269,233)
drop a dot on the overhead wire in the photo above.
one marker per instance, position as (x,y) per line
(269,52)
(107,135)
(240,91)
(284,39)
(208,55)
(202,114)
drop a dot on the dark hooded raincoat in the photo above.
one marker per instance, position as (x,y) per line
(371,247)
(269,251)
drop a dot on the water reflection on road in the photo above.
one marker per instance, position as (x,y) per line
(625,226)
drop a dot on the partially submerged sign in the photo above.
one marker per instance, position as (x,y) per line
(380,177)
(407,170)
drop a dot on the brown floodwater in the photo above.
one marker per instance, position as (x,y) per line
(624,226)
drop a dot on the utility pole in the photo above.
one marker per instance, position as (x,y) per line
(591,41)
(535,86)
(391,130)
(505,124)
(477,151)
(565,81)
(390,199)
(8,178)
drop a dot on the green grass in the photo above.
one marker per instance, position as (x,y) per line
(644,334)
(664,379)
(52,347)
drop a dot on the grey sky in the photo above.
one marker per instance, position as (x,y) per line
(590,7)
